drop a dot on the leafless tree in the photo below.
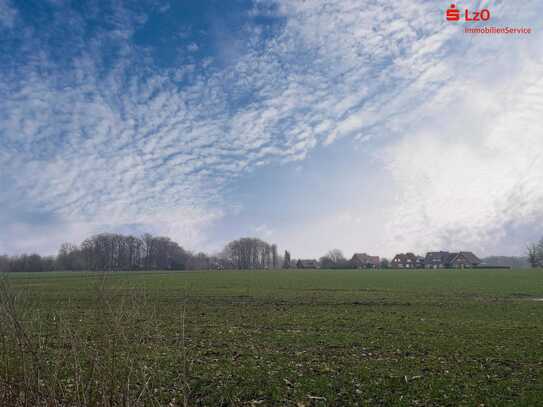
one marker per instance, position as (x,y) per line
(336,256)
(334,259)
(248,253)
(535,254)
(275,259)
(286,260)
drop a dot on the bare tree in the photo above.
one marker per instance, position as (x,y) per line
(333,259)
(274,256)
(70,257)
(535,254)
(248,253)
(286,260)
(336,256)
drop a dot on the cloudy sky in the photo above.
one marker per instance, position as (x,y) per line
(366,125)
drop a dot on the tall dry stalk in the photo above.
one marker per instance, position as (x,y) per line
(103,354)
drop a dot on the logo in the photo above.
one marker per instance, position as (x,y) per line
(454,14)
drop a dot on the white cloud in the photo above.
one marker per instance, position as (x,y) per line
(474,168)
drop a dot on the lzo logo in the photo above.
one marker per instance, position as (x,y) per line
(454,14)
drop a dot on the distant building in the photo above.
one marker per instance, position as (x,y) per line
(463,260)
(307,264)
(407,261)
(420,262)
(364,261)
(443,259)
(436,260)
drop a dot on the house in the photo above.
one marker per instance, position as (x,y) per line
(364,261)
(420,262)
(407,261)
(443,259)
(398,261)
(307,264)
(436,260)
(463,260)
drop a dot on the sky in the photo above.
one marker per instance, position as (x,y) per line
(368,126)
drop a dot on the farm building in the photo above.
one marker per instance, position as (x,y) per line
(463,260)
(364,261)
(436,260)
(407,261)
(451,260)
(307,264)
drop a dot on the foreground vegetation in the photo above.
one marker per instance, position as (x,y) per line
(296,338)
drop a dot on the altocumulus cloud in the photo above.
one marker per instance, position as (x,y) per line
(98,132)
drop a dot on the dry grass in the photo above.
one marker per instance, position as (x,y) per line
(85,357)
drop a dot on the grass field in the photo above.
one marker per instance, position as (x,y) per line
(297,338)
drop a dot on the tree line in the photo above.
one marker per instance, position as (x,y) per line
(117,252)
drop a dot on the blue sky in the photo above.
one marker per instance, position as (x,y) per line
(362,125)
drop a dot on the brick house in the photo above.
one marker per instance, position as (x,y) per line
(364,261)
(443,259)
(407,261)
(463,260)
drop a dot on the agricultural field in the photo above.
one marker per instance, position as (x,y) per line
(262,338)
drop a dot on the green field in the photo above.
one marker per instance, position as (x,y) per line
(297,338)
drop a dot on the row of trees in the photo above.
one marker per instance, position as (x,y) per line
(110,252)
(251,253)
(27,263)
(335,259)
